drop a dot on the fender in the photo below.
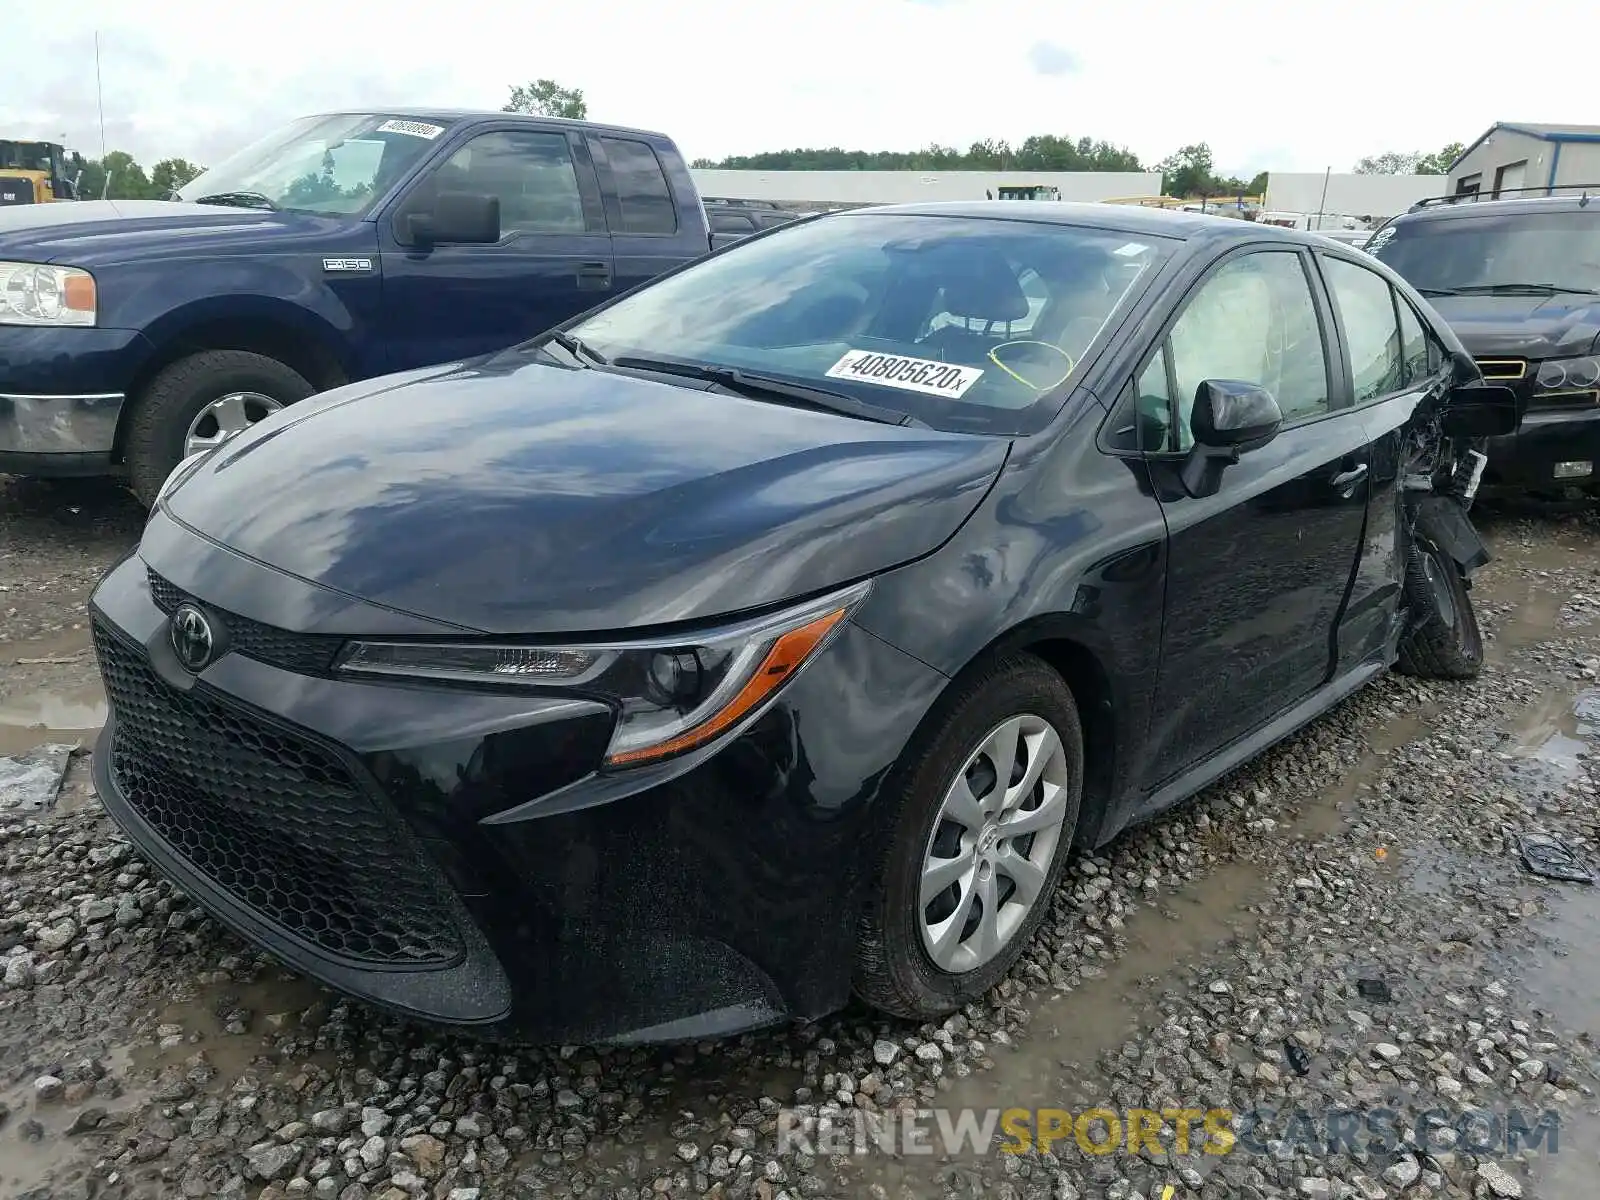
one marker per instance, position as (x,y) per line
(328,331)
(1451,529)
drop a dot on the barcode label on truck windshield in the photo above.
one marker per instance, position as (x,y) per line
(419,129)
(908,374)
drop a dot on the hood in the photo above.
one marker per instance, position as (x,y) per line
(87,232)
(1522,326)
(516,497)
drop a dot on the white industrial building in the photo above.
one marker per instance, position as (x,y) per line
(1379,196)
(1513,155)
(904,187)
(1348,195)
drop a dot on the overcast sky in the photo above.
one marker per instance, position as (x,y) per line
(1268,85)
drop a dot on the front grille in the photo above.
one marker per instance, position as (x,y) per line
(302,653)
(274,820)
(1503,368)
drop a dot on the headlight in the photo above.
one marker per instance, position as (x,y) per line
(1568,374)
(671,695)
(181,472)
(33,294)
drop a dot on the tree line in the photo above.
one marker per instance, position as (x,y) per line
(1189,171)
(127,179)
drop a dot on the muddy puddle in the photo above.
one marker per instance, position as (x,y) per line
(49,692)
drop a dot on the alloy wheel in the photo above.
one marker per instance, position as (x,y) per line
(226,417)
(992,844)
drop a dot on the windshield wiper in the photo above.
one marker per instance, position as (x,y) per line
(578,348)
(239,200)
(1439,291)
(1525,289)
(764,387)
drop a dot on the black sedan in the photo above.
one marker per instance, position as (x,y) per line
(774,632)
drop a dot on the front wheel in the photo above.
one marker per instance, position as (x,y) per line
(986,807)
(199,402)
(1444,641)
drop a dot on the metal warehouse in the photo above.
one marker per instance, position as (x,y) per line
(1520,155)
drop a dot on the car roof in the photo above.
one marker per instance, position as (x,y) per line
(1123,218)
(483,114)
(1447,209)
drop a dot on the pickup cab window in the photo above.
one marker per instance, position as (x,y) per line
(530,172)
(642,191)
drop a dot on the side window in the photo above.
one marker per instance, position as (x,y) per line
(531,173)
(1366,307)
(1419,352)
(1253,320)
(1143,419)
(642,191)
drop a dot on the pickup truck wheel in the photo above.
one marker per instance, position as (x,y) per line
(199,402)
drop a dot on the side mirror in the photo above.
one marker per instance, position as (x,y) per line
(1480,410)
(1230,418)
(460,218)
(726,238)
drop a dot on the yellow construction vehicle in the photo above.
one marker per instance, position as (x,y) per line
(34,173)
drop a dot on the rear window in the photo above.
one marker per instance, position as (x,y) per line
(965,323)
(642,189)
(1446,255)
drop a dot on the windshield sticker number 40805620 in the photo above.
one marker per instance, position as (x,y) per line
(909,374)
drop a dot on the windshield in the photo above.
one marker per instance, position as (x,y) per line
(965,323)
(341,164)
(26,156)
(1447,254)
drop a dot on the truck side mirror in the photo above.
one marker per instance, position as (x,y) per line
(461,218)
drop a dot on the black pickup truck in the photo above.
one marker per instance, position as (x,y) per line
(340,247)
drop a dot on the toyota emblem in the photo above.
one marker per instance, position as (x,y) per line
(192,639)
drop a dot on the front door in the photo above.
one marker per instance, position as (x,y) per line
(1257,573)
(553,259)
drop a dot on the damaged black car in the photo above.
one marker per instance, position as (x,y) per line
(773,634)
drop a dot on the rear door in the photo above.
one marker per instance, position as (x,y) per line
(553,259)
(1257,572)
(640,207)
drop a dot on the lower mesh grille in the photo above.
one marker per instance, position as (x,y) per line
(275,821)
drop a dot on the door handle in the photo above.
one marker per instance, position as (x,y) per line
(594,275)
(1345,480)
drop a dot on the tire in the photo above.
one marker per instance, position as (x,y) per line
(1444,641)
(163,412)
(895,972)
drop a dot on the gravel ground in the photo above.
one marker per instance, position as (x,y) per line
(1208,960)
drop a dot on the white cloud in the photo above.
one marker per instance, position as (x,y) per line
(195,79)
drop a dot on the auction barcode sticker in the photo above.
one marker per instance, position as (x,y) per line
(908,374)
(419,129)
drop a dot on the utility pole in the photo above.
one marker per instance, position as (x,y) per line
(100,95)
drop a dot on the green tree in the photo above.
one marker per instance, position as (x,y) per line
(128,180)
(1188,172)
(547,98)
(1410,162)
(1041,152)
(170,174)
(1438,163)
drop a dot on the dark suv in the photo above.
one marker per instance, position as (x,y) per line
(1519,281)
